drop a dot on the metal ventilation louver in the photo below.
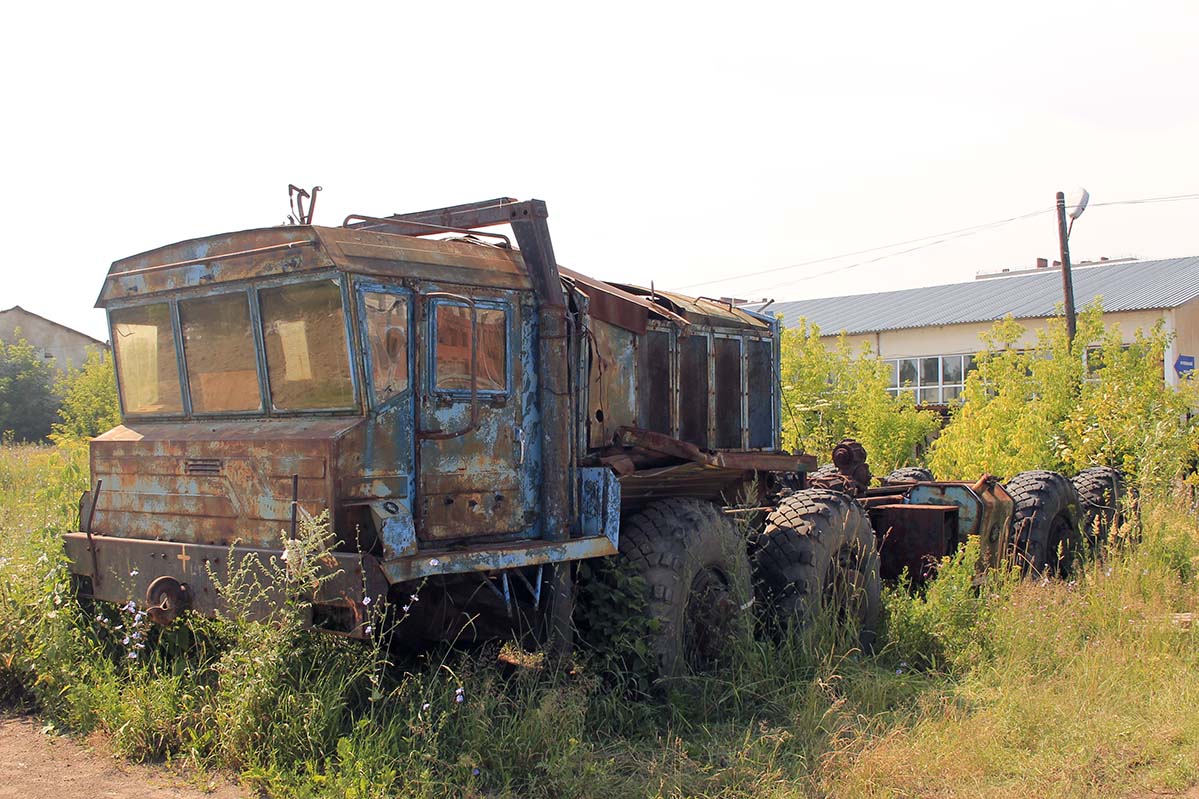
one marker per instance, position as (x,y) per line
(202,466)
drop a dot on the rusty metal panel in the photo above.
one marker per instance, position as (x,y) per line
(216,259)
(662,444)
(612,304)
(496,557)
(448,261)
(700,310)
(655,355)
(475,484)
(690,480)
(214,482)
(995,520)
(727,394)
(956,493)
(612,388)
(272,252)
(761,392)
(913,537)
(764,461)
(599,502)
(694,389)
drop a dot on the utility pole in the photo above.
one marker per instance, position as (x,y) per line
(1063,234)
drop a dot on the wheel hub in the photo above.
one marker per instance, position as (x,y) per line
(709,616)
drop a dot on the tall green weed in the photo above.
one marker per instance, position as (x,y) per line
(1042,688)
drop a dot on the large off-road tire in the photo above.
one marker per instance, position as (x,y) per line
(1101,489)
(827,470)
(817,551)
(909,474)
(697,588)
(1046,539)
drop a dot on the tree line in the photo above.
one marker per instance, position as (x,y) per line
(1057,405)
(38,403)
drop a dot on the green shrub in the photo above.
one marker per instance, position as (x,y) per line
(945,626)
(89,400)
(832,393)
(27,399)
(1065,407)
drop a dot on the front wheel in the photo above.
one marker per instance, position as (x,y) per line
(696,574)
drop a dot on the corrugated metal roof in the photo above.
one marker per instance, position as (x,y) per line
(1126,286)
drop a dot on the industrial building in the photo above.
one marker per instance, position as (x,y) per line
(929,335)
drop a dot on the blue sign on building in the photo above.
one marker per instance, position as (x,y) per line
(1185,364)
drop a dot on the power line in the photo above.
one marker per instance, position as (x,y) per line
(856,264)
(941,238)
(1170,199)
(867,250)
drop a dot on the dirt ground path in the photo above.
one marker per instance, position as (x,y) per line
(34,765)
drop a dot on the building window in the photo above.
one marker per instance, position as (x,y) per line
(930,380)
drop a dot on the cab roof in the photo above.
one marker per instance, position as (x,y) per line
(280,251)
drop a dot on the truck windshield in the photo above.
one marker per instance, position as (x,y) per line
(218,346)
(303,330)
(146,364)
(306,357)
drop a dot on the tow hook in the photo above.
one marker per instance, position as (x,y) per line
(166,598)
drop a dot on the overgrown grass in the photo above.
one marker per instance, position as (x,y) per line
(1043,689)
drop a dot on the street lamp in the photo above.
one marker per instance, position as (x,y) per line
(1078,204)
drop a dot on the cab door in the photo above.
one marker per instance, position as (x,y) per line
(474,432)
(387,318)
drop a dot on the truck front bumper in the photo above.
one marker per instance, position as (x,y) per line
(115,569)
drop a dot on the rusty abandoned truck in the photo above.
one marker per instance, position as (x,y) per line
(476,419)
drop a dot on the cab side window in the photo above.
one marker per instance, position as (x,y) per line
(386,318)
(453,347)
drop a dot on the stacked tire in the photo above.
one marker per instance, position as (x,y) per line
(909,474)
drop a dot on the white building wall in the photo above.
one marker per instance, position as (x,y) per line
(966,339)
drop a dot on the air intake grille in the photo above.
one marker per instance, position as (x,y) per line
(202,466)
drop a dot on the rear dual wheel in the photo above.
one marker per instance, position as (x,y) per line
(1046,539)
(818,555)
(1102,492)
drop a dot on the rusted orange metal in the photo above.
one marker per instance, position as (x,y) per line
(912,539)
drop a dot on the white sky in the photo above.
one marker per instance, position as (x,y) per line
(676,143)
